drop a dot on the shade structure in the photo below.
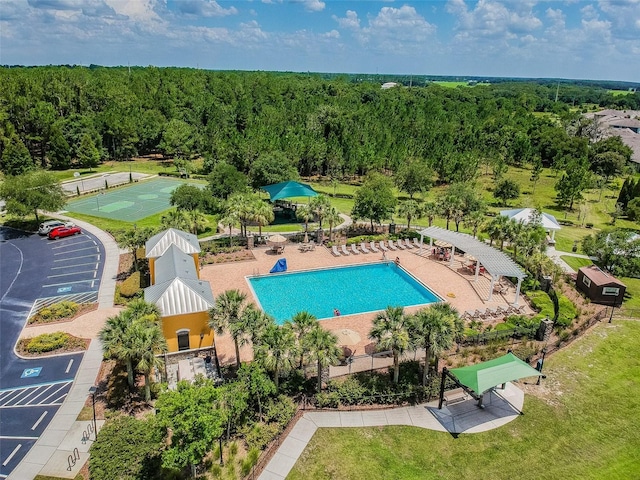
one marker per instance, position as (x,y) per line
(526,215)
(486,375)
(277,240)
(289,189)
(347,337)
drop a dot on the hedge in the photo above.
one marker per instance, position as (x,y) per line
(131,286)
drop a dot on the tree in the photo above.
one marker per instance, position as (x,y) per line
(58,154)
(255,322)
(88,154)
(187,197)
(306,214)
(225,180)
(333,218)
(271,168)
(302,322)
(434,329)
(390,330)
(320,206)
(430,210)
(413,176)
(258,383)
(506,190)
(196,220)
(536,171)
(263,215)
(133,240)
(177,219)
(152,343)
(31,191)
(323,348)
(573,182)
(617,250)
(16,159)
(474,221)
(188,414)
(497,229)
(226,314)
(375,199)
(409,209)
(178,139)
(127,447)
(276,349)
(245,208)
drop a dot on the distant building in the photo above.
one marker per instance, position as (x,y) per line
(525,215)
(601,287)
(623,123)
(388,85)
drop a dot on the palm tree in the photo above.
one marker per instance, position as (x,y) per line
(303,322)
(474,220)
(197,221)
(430,210)
(229,220)
(496,229)
(409,209)
(175,219)
(138,309)
(113,336)
(333,218)
(151,343)
(254,322)
(320,206)
(434,329)
(390,331)
(226,315)
(305,213)
(263,215)
(323,346)
(275,349)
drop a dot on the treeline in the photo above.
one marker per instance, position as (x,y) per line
(58,117)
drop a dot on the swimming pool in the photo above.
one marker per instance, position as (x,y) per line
(351,290)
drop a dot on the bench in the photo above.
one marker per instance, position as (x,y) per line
(455,396)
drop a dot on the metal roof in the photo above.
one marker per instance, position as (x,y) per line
(174,263)
(494,261)
(158,244)
(180,296)
(524,216)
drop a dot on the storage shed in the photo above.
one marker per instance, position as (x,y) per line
(601,287)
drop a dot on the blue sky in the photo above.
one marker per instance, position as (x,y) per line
(587,39)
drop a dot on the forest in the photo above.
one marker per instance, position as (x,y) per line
(60,117)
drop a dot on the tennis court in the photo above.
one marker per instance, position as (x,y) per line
(128,204)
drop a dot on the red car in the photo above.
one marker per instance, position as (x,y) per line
(60,232)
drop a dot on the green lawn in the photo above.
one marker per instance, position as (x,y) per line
(575,262)
(584,425)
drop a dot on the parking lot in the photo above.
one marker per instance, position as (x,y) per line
(36,270)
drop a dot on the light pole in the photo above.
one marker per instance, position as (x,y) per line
(92,391)
(541,364)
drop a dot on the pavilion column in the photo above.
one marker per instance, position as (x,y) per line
(477,270)
(493,282)
(453,250)
(517,292)
(553,235)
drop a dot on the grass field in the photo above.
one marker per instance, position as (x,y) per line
(575,262)
(581,423)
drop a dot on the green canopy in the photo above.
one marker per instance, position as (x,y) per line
(289,189)
(486,375)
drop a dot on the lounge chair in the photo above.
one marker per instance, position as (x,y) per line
(399,244)
(468,314)
(407,243)
(416,242)
(354,249)
(373,247)
(391,245)
(344,251)
(334,250)
(383,247)
(364,248)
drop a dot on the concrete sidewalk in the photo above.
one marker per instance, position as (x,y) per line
(555,255)
(63,448)
(500,408)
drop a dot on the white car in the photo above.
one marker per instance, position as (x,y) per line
(48,225)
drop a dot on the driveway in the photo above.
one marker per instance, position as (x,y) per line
(35,271)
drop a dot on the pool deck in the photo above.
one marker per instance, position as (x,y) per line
(451,283)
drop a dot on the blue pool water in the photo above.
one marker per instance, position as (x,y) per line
(356,289)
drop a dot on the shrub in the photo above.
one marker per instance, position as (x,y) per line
(47,342)
(280,410)
(260,434)
(250,460)
(131,286)
(542,302)
(567,313)
(57,311)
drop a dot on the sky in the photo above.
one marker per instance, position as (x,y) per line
(582,39)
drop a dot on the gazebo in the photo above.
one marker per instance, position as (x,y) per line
(289,189)
(495,262)
(478,379)
(525,215)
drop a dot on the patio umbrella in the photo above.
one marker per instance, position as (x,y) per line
(442,243)
(347,337)
(306,237)
(277,240)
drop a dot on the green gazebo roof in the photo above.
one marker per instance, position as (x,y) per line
(486,375)
(289,189)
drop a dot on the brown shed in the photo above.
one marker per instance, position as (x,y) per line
(601,287)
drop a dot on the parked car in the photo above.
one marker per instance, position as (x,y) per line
(61,232)
(47,226)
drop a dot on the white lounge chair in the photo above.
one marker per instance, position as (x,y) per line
(416,242)
(334,250)
(391,245)
(383,247)
(364,248)
(407,243)
(354,249)
(373,247)
(399,244)
(344,251)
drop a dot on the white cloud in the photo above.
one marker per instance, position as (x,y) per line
(351,21)
(312,5)
(205,8)
(139,10)
(89,8)
(491,19)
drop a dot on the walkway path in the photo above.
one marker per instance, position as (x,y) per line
(501,407)
(555,255)
(50,454)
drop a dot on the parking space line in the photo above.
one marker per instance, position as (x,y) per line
(30,402)
(54,393)
(70,244)
(44,384)
(78,250)
(69,366)
(72,273)
(74,258)
(11,455)
(35,425)
(32,406)
(75,265)
(68,283)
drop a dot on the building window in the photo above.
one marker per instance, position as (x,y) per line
(610,291)
(587,281)
(183,339)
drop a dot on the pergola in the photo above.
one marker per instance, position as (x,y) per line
(495,262)
(289,189)
(477,379)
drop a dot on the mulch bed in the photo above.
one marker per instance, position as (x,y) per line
(239,256)
(84,308)
(75,344)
